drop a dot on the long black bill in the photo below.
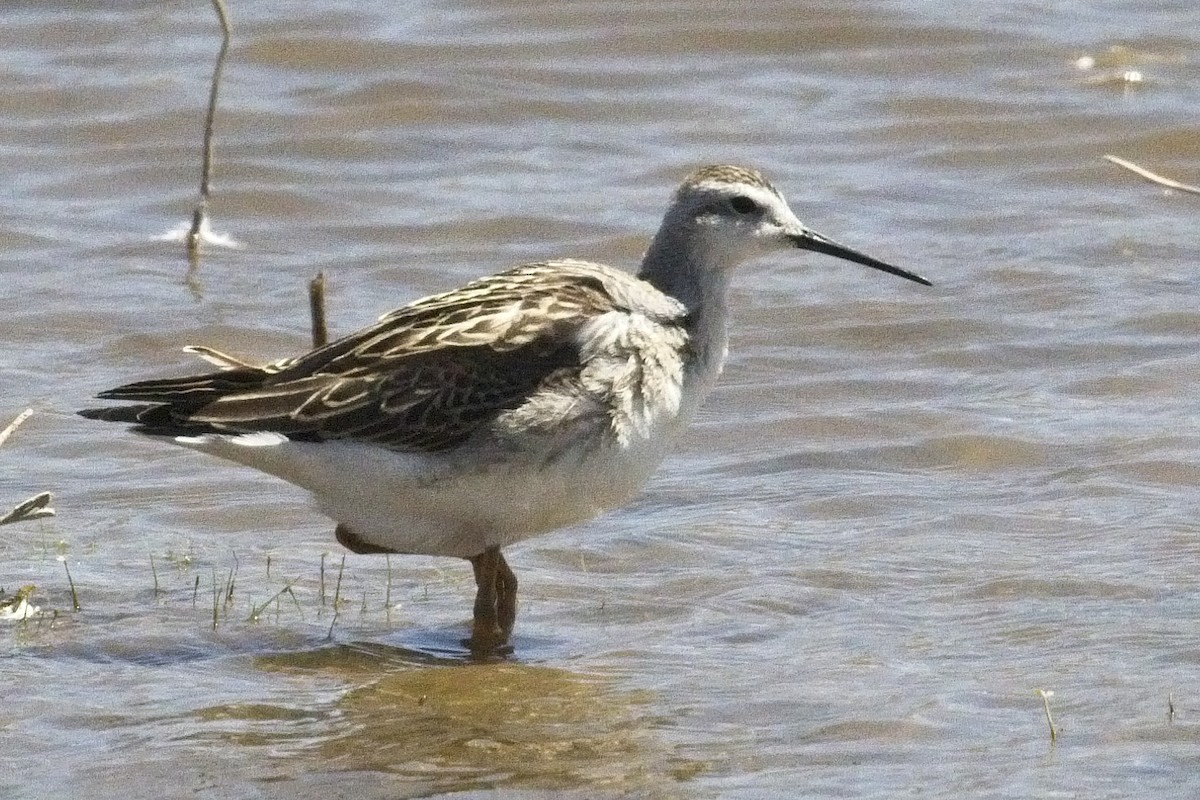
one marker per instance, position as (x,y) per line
(811,240)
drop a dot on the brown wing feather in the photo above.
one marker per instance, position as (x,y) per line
(424,378)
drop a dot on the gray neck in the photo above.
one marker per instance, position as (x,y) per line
(684,265)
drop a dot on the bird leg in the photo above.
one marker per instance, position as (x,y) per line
(486,633)
(495,596)
(506,596)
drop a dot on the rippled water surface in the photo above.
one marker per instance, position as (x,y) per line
(902,513)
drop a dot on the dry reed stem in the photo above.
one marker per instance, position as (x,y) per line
(35,507)
(1045,695)
(316,307)
(1153,177)
(200,214)
(16,423)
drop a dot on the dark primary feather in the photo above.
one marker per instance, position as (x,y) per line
(424,378)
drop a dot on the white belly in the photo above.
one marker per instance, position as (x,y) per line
(566,455)
(440,504)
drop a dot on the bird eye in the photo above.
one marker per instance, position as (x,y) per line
(743,205)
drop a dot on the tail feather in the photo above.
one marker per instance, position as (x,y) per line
(130,414)
(165,404)
(149,418)
(189,392)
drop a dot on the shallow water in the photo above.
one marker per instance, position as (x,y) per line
(903,511)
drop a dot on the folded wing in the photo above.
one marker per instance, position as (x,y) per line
(424,378)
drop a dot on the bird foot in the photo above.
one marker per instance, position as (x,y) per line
(486,643)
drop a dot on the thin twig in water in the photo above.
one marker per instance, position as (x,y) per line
(256,611)
(337,592)
(1045,695)
(154,572)
(216,596)
(35,507)
(337,588)
(387,598)
(294,599)
(322,592)
(200,215)
(70,582)
(1153,177)
(232,578)
(16,423)
(316,308)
